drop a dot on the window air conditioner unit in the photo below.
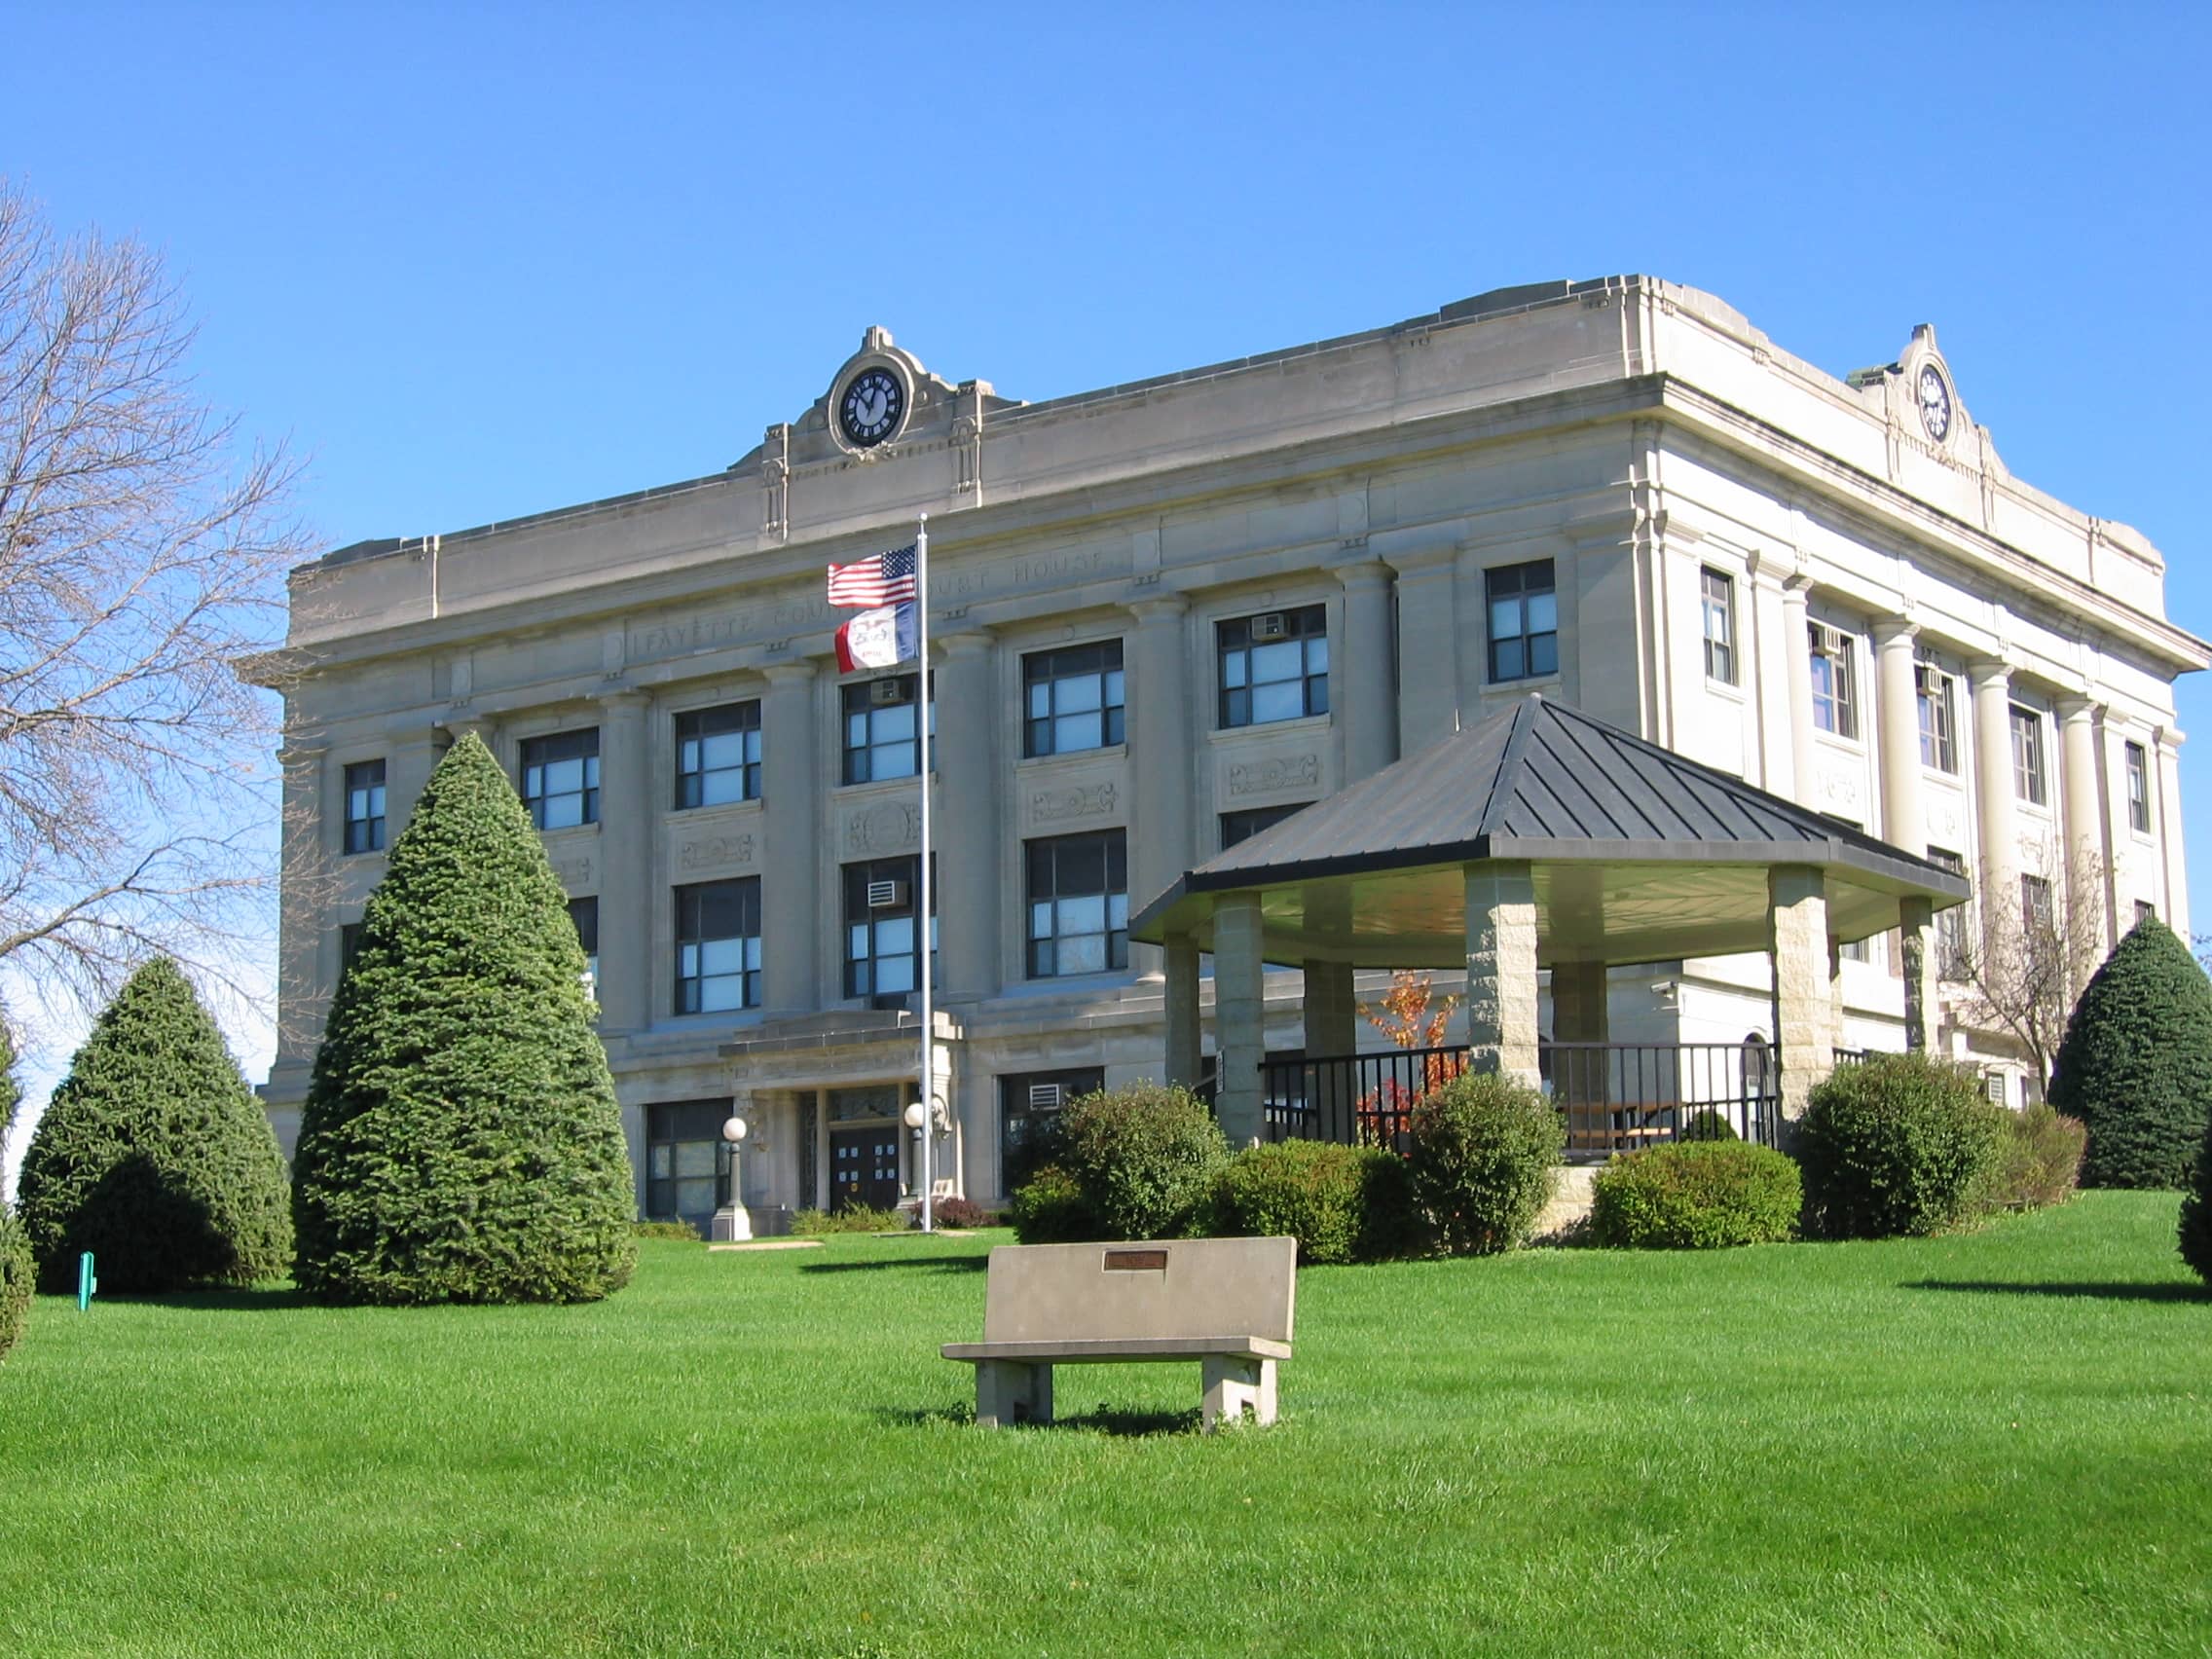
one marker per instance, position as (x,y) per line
(886,693)
(1045,1096)
(886,895)
(1828,641)
(1927,679)
(1993,1085)
(1270,625)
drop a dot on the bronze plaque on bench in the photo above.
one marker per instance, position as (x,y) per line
(1136,1261)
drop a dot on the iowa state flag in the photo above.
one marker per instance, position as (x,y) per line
(878,639)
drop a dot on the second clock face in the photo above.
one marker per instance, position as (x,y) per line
(1934,402)
(870,408)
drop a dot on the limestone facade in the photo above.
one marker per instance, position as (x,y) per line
(1618,492)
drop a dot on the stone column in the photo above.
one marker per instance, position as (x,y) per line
(1501,967)
(1159,689)
(1184,1044)
(1581,1081)
(1364,671)
(304,913)
(1332,1031)
(1997,855)
(2165,824)
(1428,647)
(1916,916)
(629,987)
(1804,1009)
(1239,1017)
(2087,856)
(1899,712)
(965,806)
(792,922)
(1796,657)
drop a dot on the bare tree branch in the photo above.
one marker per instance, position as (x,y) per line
(2021,957)
(141,555)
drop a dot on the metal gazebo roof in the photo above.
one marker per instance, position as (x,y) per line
(1640,854)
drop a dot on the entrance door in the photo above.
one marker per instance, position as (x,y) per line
(863,1168)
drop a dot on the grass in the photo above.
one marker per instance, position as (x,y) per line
(1994,1444)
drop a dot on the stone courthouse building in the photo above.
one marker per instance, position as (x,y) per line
(1168,613)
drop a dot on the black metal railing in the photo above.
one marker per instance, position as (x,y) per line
(1353,1099)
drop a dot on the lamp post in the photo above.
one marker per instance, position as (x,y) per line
(733,1224)
(916,1118)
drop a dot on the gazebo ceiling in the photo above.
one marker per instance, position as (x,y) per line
(1639,855)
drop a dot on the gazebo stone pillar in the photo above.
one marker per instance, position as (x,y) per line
(1239,1017)
(1804,1003)
(1501,967)
(1331,1013)
(1914,918)
(1182,1009)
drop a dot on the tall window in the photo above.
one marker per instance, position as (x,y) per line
(1273,666)
(1858,950)
(687,1171)
(2138,789)
(2035,905)
(717,946)
(1079,905)
(584,914)
(1028,1104)
(1938,731)
(879,928)
(1719,591)
(1835,685)
(1524,621)
(560,779)
(1951,924)
(2144,911)
(1072,699)
(882,739)
(364,807)
(718,755)
(2027,756)
(1243,825)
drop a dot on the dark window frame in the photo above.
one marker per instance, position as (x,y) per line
(580,743)
(857,701)
(1042,676)
(695,729)
(2031,771)
(2137,761)
(1720,664)
(1835,705)
(1239,827)
(1935,695)
(1520,651)
(584,915)
(733,908)
(671,1124)
(1019,1126)
(364,807)
(1052,878)
(1304,627)
(864,976)
(1951,942)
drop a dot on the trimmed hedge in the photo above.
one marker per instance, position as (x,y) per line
(460,1140)
(1342,1203)
(15,1280)
(2197,1215)
(1049,1209)
(154,1156)
(1696,1195)
(2038,1159)
(961,1214)
(1484,1152)
(1143,1158)
(2136,1066)
(1707,1125)
(1898,1145)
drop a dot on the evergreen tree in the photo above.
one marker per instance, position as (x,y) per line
(2136,1063)
(15,1249)
(2197,1214)
(460,1140)
(154,1155)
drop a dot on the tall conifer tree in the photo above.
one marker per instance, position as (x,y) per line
(2136,1064)
(154,1155)
(460,1140)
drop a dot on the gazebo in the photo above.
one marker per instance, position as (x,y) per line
(1540,838)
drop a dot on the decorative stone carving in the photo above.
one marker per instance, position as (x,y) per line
(709,852)
(574,873)
(886,827)
(1840,787)
(1057,805)
(1272,773)
(1944,819)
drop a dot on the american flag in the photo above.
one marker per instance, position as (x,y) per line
(884,579)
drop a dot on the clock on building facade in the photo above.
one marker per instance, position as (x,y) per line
(870,407)
(1934,402)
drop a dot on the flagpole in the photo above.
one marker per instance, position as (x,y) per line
(923,887)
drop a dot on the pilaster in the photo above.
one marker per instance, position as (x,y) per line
(1898,715)
(1997,857)
(1795,659)
(1184,1041)
(303,914)
(627,984)
(1366,671)
(965,806)
(1501,967)
(1161,736)
(2088,859)
(1429,646)
(792,919)
(1239,1017)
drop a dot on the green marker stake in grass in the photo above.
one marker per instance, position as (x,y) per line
(85,1282)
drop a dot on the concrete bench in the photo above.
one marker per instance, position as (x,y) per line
(1225,1303)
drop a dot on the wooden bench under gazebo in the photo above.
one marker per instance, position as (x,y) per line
(1541,838)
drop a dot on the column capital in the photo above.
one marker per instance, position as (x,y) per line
(623,697)
(1419,561)
(1983,670)
(2074,707)
(298,750)
(1796,587)
(1368,573)
(456,727)
(795,673)
(1889,630)
(1156,609)
(965,645)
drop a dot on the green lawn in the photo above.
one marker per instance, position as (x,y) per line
(2000,1443)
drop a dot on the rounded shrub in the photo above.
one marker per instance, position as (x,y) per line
(2038,1159)
(1696,1195)
(1899,1145)
(460,1140)
(2196,1214)
(1484,1152)
(2136,1066)
(1049,1209)
(1342,1203)
(15,1280)
(1707,1125)
(1143,1157)
(153,1154)
(958,1213)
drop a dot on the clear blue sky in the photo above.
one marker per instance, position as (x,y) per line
(477,261)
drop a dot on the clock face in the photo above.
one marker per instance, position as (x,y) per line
(1934,402)
(870,408)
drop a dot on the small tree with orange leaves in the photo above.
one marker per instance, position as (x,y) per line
(1411,1015)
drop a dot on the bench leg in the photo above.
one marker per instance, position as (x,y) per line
(1235,1384)
(1007,1392)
